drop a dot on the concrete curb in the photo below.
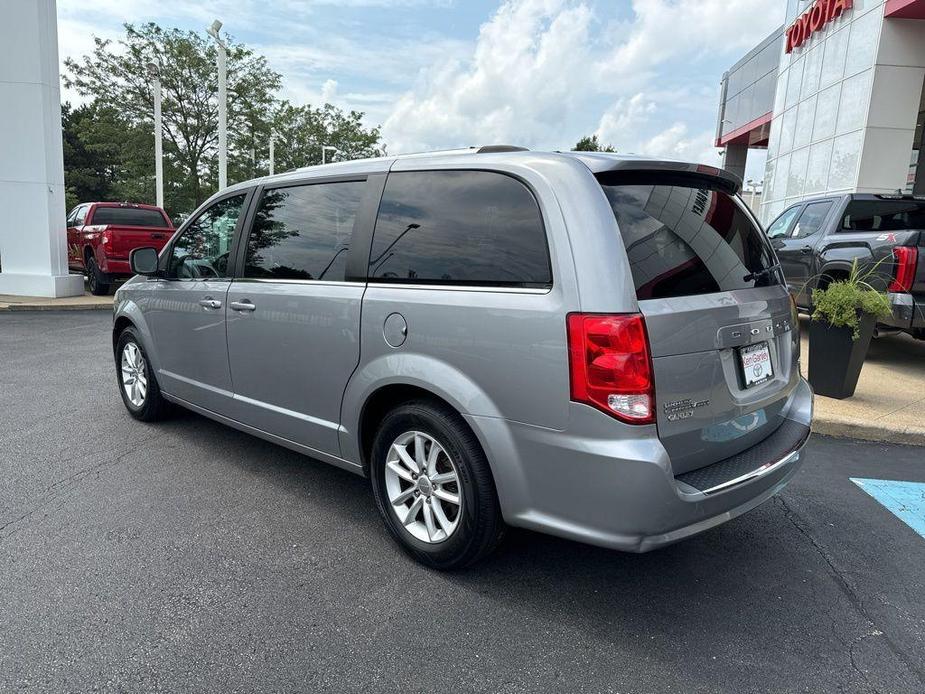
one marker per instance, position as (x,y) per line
(55,307)
(829,426)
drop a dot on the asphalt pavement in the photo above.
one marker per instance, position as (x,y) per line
(185,556)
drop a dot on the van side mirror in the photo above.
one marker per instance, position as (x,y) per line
(143,261)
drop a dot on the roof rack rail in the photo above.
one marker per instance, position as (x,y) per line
(489,149)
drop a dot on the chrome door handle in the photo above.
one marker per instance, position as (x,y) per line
(806,250)
(242,306)
(210,303)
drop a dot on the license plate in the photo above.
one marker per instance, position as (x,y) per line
(756,364)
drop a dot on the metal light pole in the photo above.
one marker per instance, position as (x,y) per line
(272,152)
(324,151)
(155,76)
(222,105)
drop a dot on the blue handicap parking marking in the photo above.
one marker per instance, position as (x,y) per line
(905,500)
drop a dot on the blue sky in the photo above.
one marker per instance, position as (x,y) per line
(642,74)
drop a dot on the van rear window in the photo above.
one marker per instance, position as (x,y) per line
(685,240)
(129,217)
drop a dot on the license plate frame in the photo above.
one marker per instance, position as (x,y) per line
(755,364)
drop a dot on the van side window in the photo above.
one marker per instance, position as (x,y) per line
(201,251)
(303,232)
(459,228)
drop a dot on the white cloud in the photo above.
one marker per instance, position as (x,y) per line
(642,75)
(676,143)
(519,84)
(625,116)
(663,30)
(544,71)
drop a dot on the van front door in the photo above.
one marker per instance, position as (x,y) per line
(186,309)
(293,319)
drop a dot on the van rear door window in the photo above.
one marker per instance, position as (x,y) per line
(459,228)
(684,240)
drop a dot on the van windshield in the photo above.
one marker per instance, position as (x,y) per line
(684,240)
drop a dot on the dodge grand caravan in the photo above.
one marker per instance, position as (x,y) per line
(595,346)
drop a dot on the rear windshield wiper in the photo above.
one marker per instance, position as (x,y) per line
(758,274)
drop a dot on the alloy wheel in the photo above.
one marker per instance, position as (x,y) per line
(422,484)
(134,374)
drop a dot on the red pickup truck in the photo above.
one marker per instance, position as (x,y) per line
(100,236)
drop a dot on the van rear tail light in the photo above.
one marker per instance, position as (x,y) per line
(906,258)
(610,365)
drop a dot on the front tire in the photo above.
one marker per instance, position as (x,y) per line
(138,386)
(433,486)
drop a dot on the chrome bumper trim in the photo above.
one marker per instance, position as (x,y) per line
(765,469)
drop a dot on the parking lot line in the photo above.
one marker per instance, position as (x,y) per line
(905,500)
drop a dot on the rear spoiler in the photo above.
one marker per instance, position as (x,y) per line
(613,170)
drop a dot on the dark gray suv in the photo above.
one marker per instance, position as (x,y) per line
(595,346)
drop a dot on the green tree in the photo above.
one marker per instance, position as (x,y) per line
(591,144)
(118,75)
(106,157)
(301,132)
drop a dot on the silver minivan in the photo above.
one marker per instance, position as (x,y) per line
(595,346)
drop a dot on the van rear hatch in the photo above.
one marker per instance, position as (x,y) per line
(129,227)
(722,329)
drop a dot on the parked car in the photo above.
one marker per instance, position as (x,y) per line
(593,346)
(817,240)
(100,236)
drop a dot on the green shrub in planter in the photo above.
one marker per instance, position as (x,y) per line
(843,320)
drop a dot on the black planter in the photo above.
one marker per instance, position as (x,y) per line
(835,360)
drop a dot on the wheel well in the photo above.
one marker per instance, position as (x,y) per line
(121,324)
(379,403)
(88,253)
(829,276)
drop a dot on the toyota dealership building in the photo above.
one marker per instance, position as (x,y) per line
(836,97)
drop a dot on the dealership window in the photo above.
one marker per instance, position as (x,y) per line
(917,161)
(846,152)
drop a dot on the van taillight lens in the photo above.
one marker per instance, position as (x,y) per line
(610,365)
(906,258)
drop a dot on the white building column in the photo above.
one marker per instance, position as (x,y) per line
(33,252)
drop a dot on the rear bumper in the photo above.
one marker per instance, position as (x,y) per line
(908,311)
(622,493)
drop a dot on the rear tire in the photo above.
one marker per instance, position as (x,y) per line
(138,386)
(421,514)
(98,280)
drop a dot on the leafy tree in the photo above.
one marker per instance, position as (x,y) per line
(186,64)
(116,79)
(591,144)
(301,132)
(105,156)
